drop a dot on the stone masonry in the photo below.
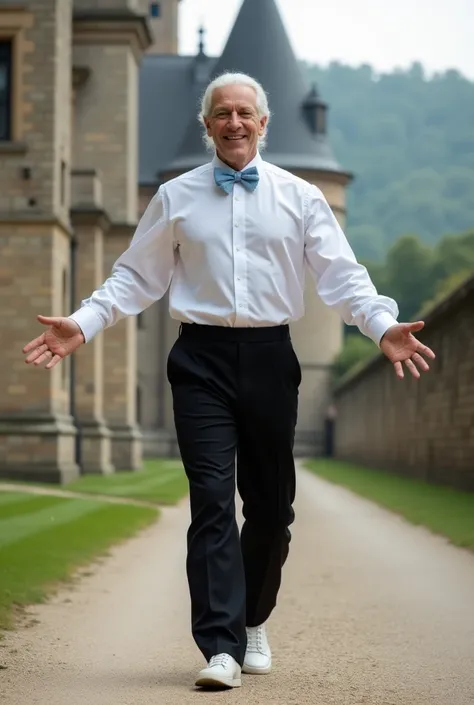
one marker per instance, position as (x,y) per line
(68,208)
(106,120)
(421,428)
(36,430)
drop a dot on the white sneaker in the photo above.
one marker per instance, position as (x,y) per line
(258,657)
(222,671)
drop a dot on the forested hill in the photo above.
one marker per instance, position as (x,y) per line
(409,140)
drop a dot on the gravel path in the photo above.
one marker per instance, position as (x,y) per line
(372,610)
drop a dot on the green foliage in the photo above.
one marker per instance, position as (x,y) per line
(409,140)
(446,287)
(357,349)
(408,274)
(417,277)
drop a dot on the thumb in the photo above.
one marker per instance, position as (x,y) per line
(49,320)
(415,326)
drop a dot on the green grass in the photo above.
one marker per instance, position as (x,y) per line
(159,482)
(443,510)
(44,539)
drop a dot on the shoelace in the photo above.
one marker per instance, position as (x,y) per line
(219,660)
(254,640)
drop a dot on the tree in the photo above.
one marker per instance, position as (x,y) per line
(409,140)
(357,349)
(409,274)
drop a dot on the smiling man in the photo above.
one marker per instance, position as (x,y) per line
(235,123)
(231,240)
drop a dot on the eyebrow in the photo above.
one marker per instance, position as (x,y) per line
(225,109)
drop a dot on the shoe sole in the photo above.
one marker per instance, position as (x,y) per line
(209,682)
(256,671)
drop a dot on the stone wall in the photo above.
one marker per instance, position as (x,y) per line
(421,428)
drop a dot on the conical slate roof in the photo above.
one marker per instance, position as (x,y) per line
(258,45)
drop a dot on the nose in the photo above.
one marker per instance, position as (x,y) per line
(234,121)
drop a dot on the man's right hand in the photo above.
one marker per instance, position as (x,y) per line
(60,340)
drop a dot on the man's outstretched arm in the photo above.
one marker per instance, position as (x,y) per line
(140,276)
(345,285)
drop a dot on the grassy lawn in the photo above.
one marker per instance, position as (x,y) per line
(44,539)
(443,510)
(160,482)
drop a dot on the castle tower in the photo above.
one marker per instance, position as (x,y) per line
(163,20)
(297,141)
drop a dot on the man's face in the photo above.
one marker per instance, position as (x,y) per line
(234,124)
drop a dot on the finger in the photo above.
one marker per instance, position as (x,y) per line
(43,357)
(425,350)
(53,362)
(422,364)
(35,355)
(34,343)
(413,369)
(398,370)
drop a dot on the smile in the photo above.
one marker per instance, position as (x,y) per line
(236,138)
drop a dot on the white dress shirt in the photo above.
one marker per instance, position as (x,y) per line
(238,259)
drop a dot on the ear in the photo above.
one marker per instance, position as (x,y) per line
(207,122)
(263,125)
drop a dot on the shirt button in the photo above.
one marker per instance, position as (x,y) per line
(236,225)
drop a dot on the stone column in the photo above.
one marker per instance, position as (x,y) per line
(318,338)
(37,435)
(106,138)
(120,372)
(90,222)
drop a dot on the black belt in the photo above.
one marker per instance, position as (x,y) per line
(264,334)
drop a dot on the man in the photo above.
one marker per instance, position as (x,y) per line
(231,240)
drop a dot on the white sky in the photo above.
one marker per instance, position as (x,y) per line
(384,33)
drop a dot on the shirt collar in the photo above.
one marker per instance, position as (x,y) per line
(256,161)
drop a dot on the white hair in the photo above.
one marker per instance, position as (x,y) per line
(234,79)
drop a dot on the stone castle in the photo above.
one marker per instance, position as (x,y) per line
(97,108)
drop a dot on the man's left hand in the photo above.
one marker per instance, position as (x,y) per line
(400,346)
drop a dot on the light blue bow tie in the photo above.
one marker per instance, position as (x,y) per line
(225,178)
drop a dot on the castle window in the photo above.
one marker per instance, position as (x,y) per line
(5,89)
(155,9)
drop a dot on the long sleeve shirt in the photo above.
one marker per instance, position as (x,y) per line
(238,259)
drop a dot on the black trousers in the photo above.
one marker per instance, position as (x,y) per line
(235,396)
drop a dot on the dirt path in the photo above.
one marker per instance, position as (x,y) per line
(372,611)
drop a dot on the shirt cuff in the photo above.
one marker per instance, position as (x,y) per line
(88,321)
(379,324)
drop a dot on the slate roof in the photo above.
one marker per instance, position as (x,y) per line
(257,45)
(168,97)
